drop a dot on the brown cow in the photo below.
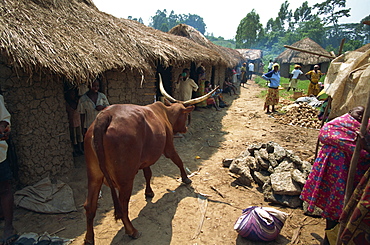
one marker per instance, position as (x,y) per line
(125,138)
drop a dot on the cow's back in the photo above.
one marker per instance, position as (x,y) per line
(134,137)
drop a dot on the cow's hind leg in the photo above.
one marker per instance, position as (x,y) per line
(91,206)
(124,197)
(148,189)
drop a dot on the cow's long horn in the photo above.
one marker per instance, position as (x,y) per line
(199,99)
(163,91)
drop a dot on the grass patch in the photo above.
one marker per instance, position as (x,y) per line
(284,82)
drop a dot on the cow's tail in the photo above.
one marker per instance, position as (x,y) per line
(100,129)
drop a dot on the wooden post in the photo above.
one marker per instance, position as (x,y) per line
(310,52)
(353,164)
(341,46)
(326,112)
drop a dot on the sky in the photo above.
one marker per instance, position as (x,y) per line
(221,19)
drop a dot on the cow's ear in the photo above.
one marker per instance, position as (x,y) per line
(167,102)
(188,109)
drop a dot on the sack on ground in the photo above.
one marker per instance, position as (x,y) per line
(260,223)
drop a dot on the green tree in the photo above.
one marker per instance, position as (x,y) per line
(331,11)
(161,22)
(313,29)
(249,31)
(303,13)
(284,15)
(195,21)
(159,19)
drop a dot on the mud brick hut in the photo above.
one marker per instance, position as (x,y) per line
(46,46)
(254,55)
(216,74)
(306,60)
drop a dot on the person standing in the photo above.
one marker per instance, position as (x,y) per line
(185,85)
(326,184)
(243,75)
(250,70)
(314,77)
(294,77)
(6,175)
(90,104)
(74,119)
(201,76)
(272,97)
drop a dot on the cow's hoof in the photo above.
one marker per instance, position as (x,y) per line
(136,235)
(87,242)
(149,195)
(186,181)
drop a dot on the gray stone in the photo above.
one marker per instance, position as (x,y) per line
(289,201)
(227,162)
(252,163)
(272,160)
(238,165)
(305,168)
(316,212)
(285,166)
(254,147)
(245,177)
(263,164)
(278,151)
(263,153)
(298,176)
(283,184)
(261,177)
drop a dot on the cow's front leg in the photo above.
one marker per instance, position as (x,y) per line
(177,160)
(148,189)
(124,197)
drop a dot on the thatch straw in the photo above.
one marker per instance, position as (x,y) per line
(251,54)
(74,39)
(293,56)
(229,56)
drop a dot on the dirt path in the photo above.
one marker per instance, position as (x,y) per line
(175,214)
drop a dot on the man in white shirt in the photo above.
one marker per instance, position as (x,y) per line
(250,70)
(294,77)
(185,85)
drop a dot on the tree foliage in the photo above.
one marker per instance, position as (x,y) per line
(164,23)
(319,22)
(249,31)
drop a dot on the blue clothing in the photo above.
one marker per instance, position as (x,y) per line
(273,77)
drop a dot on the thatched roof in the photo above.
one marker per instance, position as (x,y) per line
(251,54)
(229,56)
(74,39)
(293,56)
(347,80)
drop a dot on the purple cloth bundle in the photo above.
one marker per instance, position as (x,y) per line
(260,223)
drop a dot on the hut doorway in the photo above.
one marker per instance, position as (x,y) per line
(71,96)
(166,74)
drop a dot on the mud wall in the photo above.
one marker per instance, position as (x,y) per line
(39,124)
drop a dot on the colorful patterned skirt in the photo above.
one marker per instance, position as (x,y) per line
(201,92)
(272,97)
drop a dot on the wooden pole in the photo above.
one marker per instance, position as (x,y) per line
(353,164)
(310,52)
(326,112)
(341,46)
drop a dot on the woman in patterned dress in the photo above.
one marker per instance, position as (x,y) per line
(326,184)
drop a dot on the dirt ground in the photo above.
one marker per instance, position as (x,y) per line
(176,215)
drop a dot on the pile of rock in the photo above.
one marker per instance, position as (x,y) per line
(279,172)
(302,115)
